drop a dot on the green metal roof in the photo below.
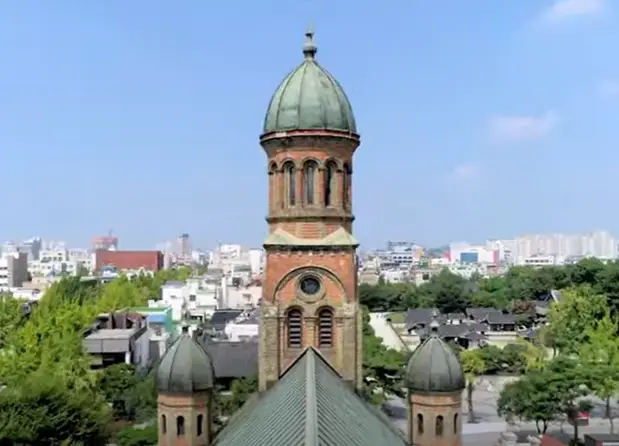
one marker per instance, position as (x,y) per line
(309,98)
(309,406)
(434,367)
(339,237)
(185,368)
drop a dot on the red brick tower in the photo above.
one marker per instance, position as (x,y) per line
(310,283)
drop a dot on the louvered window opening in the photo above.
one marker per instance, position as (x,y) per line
(325,329)
(295,329)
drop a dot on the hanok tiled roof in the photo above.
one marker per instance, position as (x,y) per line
(233,359)
(500,318)
(416,316)
(479,313)
(310,405)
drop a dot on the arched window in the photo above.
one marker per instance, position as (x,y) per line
(180,426)
(439,426)
(329,182)
(290,180)
(309,174)
(346,187)
(455,423)
(164,426)
(295,328)
(199,425)
(419,424)
(273,186)
(325,328)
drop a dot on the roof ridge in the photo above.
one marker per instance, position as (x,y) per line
(311,401)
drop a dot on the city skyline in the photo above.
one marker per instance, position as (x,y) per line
(121,112)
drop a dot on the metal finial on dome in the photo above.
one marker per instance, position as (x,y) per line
(309,49)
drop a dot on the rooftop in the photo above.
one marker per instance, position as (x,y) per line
(112,333)
(310,404)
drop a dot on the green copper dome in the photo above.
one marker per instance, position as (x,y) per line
(309,98)
(185,368)
(434,367)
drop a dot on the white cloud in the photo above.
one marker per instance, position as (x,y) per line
(608,89)
(505,129)
(562,10)
(465,172)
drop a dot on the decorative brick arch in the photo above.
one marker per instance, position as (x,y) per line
(317,270)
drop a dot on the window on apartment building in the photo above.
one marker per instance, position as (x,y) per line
(295,328)
(325,328)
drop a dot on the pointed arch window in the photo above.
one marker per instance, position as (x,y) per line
(180,426)
(329,182)
(164,426)
(419,424)
(290,179)
(455,423)
(309,178)
(325,328)
(439,426)
(294,327)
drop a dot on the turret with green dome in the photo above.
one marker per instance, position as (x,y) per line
(309,98)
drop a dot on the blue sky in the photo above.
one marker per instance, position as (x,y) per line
(478,118)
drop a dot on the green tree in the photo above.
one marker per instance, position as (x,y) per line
(473,366)
(571,317)
(138,436)
(493,359)
(229,401)
(448,290)
(514,358)
(607,283)
(568,380)
(116,383)
(44,412)
(10,317)
(143,398)
(382,366)
(531,400)
(601,356)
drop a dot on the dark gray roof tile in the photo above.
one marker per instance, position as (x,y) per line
(498,318)
(233,359)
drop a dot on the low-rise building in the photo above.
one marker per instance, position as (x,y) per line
(118,338)
(13,270)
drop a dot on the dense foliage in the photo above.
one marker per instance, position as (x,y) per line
(450,292)
(583,333)
(50,395)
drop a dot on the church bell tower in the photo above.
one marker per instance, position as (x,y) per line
(310,278)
